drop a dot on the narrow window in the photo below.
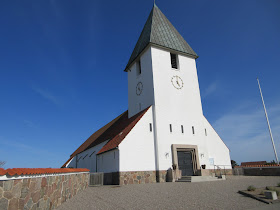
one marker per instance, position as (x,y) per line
(192,129)
(174,61)
(151,129)
(138,67)
(92,153)
(205,132)
(182,128)
(170,126)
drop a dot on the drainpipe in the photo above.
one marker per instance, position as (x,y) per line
(155,143)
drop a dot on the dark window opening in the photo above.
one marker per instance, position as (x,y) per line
(193,129)
(182,128)
(205,132)
(170,126)
(151,129)
(92,153)
(138,67)
(174,61)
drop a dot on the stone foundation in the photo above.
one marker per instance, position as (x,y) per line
(141,177)
(41,192)
(220,171)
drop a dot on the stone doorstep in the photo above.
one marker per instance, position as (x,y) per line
(199,179)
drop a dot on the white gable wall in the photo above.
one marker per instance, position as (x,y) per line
(84,161)
(217,149)
(137,149)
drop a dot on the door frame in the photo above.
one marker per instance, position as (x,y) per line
(186,148)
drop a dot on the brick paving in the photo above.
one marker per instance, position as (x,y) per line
(203,195)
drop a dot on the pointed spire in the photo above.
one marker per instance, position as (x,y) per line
(159,31)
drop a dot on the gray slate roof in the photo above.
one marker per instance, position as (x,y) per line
(159,31)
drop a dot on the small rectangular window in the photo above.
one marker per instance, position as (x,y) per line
(205,132)
(151,128)
(92,153)
(170,126)
(182,128)
(174,61)
(192,129)
(138,67)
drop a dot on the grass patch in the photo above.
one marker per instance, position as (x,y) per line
(273,189)
(251,188)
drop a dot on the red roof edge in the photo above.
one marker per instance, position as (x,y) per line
(257,166)
(34,171)
(113,143)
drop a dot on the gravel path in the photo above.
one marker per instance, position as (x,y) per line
(202,195)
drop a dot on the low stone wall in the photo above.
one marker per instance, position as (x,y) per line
(42,192)
(262,171)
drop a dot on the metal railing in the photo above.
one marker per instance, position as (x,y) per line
(220,170)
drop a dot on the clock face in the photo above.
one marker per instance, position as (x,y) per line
(177,82)
(139,88)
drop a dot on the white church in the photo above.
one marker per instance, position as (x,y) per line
(164,128)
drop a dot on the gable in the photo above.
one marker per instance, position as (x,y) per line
(115,131)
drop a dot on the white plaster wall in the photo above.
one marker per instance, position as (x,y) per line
(86,161)
(172,106)
(217,150)
(177,107)
(71,163)
(146,77)
(108,162)
(137,149)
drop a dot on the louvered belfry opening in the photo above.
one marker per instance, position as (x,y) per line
(174,61)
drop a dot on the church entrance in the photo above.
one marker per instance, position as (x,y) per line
(185,163)
(185,159)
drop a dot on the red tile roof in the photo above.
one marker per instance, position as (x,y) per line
(253,163)
(115,131)
(257,166)
(32,171)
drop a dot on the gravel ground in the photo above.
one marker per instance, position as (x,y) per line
(202,195)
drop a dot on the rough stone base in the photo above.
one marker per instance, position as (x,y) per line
(220,171)
(141,177)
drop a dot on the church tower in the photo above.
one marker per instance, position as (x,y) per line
(162,70)
(162,73)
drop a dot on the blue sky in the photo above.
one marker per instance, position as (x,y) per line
(61,71)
